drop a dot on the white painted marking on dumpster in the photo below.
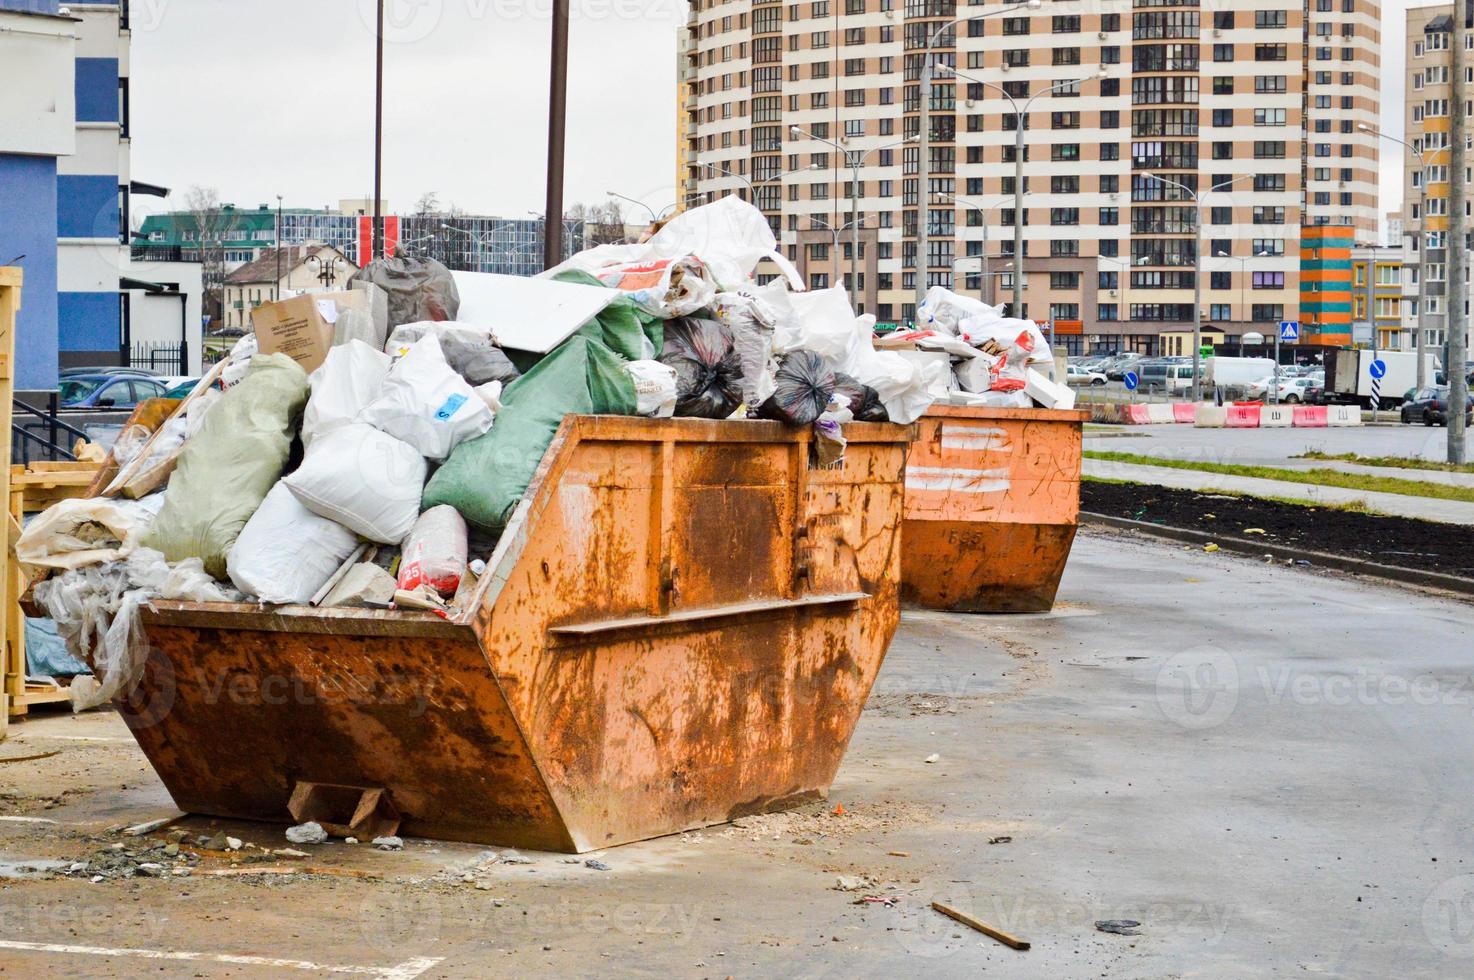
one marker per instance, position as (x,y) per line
(975,438)
(408,970)
(955,480)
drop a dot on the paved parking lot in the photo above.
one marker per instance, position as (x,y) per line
(1266,767)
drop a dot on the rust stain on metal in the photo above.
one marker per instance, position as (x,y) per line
(992,506)
(643,656)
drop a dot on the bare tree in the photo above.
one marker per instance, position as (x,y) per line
(603,223)
(212,226)
(428,204)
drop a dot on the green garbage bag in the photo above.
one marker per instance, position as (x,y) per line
(620,325)
(226,469)
(485,477)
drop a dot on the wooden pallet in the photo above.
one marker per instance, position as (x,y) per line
(27,490)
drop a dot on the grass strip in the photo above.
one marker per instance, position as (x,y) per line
(1317,478)
(1390,462)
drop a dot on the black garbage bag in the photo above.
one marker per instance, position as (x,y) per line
(861,399)
(477,359)
(419,289)
(803,387)
(708,370)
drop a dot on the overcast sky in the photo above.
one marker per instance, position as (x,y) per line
(264,97)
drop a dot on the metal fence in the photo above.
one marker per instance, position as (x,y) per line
(162,356)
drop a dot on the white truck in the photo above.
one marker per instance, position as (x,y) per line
(1221,372)
(1349,376)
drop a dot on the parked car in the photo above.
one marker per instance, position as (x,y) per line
(109,370)
(184,386)
(1121,365)
(102,391)
(1430,406)
(1294,390)
(1076,375)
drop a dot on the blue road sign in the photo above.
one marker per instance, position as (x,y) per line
(1290,331)
(1378,369)
(1131,380)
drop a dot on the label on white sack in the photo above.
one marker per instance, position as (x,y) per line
(328,310)
(452,405)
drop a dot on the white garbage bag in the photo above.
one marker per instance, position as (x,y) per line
(240,361)
(86,531)
(730,236)
(365,479)
(425,403)
(825,322)
(655,388)
(348,381)
(286,553)
(435,552)
(945,310)
(1016,344)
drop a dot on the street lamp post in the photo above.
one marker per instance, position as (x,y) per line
(1021,117)
(1423,162)
(835,233)
(983,220)
(855,160)
(923,163)
(1197,198)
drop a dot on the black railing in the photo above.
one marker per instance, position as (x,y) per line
(41,431)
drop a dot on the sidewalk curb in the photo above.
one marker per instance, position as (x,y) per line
(1355,566)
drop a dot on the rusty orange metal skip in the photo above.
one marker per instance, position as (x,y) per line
(679,627)
(992,505)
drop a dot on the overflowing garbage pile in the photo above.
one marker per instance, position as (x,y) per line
(366,448)
(979,357)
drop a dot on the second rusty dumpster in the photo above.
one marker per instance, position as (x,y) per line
(992,505)
(679,627)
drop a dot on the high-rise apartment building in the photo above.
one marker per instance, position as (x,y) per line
(1425,170)
(1131,108)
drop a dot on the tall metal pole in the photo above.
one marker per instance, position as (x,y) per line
(277,291)
(557,122)
(855,161)
(1018,210)
(1458,240)
(1422,343)
(1372,315)
(923,175)
(1197,389)
(378,231)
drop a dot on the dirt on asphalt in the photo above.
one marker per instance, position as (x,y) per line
(1392,541)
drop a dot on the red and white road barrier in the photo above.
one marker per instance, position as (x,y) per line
(1185,412)
(1276,416)
(1210,416)
(1338,415)
(1310,417)
(1243,416)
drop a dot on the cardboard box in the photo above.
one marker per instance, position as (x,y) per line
(302,327)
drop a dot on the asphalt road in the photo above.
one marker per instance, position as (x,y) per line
(1269,447)
(1267,767)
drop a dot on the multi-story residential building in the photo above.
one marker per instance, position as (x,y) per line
(65,182)
(1425,171)
(1124,103)
(1385,293)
